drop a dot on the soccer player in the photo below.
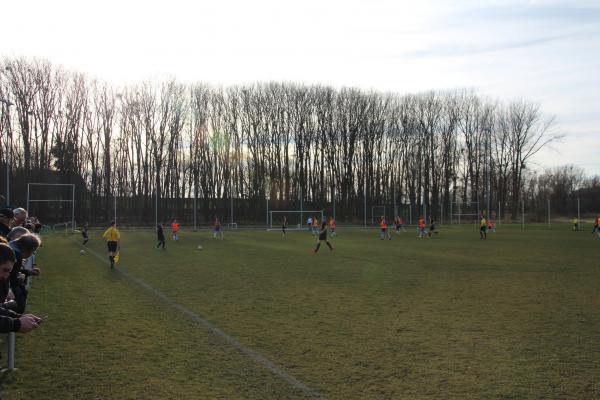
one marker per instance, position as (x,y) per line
(84,233)
(491,225)
(431,227)
(421,226)
(383,225)
(161,236)
(332,227)
(575,222)
(315,225)
(175,228)
(596,226)
(217,229)
(483,228)
(113,242)
(323,238)
(309,222)
(284,224)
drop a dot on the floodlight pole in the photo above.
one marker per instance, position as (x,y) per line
(72,207)
(523,210)
(7,116)
(333,197)
(499,215)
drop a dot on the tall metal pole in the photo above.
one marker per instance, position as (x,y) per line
(365,194)
(333,198)
(6,116)
(195,195)
(499,215)
(301,205)
(27,198)
(115,207)
(72,207)
(523,210)
(578,215)
(192,135)
(549,213)
(156,202)
(268,213)
(488,150)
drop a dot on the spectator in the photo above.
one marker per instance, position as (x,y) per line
(6,215)
(23,248)
(9,320)
(19,216)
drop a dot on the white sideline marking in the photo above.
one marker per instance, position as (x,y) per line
(257,357)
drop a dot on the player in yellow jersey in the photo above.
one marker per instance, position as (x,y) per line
(113,242)
(483,228)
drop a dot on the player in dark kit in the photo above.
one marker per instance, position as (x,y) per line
(431,227)
(284,225)
(323,237)
(84,233)
(161,236)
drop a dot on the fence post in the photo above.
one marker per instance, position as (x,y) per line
(11,351)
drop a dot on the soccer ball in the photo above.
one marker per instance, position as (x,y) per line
(82,252)
(199,247)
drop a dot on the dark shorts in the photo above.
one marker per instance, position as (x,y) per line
(483,229)
(383,230)
(432,228)
(112,246)
(322,237)
(84,234)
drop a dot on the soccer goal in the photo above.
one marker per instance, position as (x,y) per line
(53,204)
(461,213)
(296,220)
(376,213)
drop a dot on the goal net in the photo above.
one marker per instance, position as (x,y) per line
(464,213)
(296,220)
(53,204)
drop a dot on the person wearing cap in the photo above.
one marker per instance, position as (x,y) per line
(6,215)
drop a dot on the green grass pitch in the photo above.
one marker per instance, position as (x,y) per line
(514,317)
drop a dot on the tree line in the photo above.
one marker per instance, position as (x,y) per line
(169,143)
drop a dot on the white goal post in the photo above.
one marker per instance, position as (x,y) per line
(296,218)
(469,211)
(30,200)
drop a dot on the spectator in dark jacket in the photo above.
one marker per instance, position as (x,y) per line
(6,215)
(23,248)
(9,320)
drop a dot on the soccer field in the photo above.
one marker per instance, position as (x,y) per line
(257,317)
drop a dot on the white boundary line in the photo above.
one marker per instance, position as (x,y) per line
(257,357)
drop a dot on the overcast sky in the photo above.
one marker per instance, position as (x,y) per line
(546,51)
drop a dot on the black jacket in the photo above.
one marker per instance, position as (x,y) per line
(4,230)
(9,321)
